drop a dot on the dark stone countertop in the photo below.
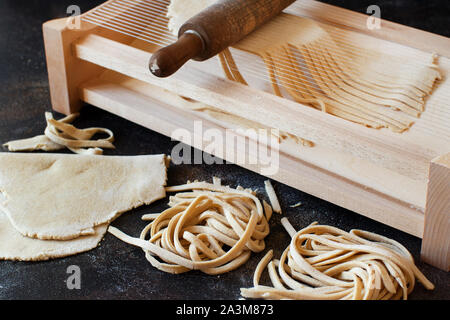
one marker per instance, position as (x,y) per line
(116,270)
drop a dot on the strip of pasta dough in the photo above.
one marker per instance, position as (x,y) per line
(317,67)
(60,134)
(202,222)
(324,262)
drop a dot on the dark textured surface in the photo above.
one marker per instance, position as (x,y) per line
(116,270)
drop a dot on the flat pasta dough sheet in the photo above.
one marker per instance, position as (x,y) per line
(64,196)
(15,246)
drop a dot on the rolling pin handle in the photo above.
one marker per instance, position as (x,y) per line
(168,60)
(213,30)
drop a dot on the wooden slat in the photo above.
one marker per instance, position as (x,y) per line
(164,118)
(65,72)
(261,107)
(436,239)
(361,172)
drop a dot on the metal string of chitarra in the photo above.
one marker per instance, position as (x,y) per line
(147,20)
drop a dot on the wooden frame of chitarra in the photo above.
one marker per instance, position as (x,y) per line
(388,177)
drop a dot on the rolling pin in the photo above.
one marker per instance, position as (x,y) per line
(213,30)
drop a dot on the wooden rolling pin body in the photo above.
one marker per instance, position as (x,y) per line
(213,30)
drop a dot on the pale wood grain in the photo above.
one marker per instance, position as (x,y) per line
(65,72)
(152,112)
(261,107)
(436,238)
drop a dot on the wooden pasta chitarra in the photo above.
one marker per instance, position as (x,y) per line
(109,56)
